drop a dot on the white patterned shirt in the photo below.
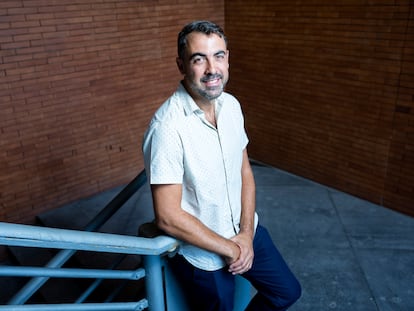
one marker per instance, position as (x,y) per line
(181,147)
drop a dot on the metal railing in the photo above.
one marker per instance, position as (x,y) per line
(161,290)
(71,241)
(152,251)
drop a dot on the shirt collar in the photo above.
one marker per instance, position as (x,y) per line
(189,104)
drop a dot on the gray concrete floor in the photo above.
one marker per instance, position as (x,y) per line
(348,254)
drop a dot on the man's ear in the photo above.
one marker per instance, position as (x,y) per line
(180,65)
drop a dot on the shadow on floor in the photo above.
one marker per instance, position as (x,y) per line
(348,254)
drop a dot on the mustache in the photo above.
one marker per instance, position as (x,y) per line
(210,77)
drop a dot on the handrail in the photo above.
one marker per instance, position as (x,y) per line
(160,289)
(44,237)
(113,306)
(72,273)
(63,256)
(70,241)
(150,248)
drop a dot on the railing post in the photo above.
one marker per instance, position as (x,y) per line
(154,282)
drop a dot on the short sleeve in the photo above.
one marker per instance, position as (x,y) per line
(163,155)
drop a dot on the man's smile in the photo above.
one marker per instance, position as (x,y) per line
(212,81)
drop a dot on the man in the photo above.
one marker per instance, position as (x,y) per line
(203,187)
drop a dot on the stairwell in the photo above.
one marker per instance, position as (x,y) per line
(126,221)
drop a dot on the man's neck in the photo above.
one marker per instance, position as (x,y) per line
(208,106)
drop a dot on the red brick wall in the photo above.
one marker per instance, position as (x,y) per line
(79,82)
(399,184)
(328,91)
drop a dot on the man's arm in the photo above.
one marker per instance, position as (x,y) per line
(248,199)
(245,237)
(173,220)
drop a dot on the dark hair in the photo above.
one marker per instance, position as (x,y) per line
(205,27)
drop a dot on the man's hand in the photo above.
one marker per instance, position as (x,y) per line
(245,260)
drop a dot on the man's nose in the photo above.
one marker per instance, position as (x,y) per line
(211,66)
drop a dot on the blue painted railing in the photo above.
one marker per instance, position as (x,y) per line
(152,251)
(64,255)
(162,292)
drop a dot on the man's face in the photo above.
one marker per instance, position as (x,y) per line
(205,66)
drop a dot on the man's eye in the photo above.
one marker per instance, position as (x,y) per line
(198,60)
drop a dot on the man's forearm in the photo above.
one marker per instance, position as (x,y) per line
(176,222)
(186,227)
(248,198)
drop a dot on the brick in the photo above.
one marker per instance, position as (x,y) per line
(80,81)
(15,45)
(333,69)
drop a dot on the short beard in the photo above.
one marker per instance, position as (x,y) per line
(205,93)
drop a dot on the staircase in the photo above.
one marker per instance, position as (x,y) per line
(77,215)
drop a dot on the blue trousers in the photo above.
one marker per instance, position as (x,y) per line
(277,287)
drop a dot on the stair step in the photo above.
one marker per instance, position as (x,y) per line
(76,215)
(136,211)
